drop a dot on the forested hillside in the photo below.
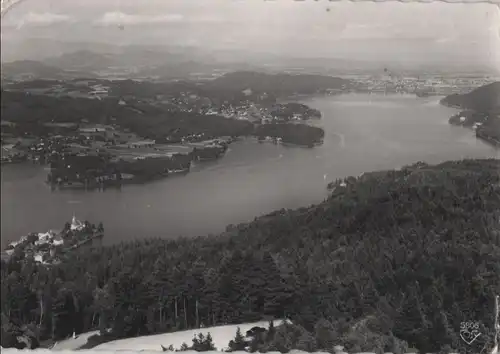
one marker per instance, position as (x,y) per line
(481,111)
(389,260)
(483,99)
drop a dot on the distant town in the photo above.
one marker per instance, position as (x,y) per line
(421,85)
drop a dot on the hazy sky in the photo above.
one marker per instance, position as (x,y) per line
(399,31)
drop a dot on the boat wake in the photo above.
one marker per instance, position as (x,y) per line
(342,139)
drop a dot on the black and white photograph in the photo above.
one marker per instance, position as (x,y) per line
(250,176)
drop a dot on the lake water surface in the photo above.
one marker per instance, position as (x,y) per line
(362,133)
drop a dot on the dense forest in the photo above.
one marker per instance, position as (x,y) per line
(389,260)
(483,99)
(481,110)
(30,112)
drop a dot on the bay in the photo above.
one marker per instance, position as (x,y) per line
(363,133)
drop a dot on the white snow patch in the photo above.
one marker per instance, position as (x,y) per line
(152,344)
(74,343)
(221,336)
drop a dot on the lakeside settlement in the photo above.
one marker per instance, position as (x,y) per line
(48,247)
(132,137)
(480,111)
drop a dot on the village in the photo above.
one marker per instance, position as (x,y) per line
(108,155)
(48,247)
(257,107)
(88,154)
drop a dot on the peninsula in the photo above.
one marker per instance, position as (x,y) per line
(48,248)
(480,111)
(134,132)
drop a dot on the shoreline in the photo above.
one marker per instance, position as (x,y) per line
(138,180)
(200,168)
(484,138)
(471,125)
(48,247)
(132,181)
(489,140)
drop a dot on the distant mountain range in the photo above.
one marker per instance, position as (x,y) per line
(42,48)
(92,60)
(26,67)
(158,56)
(32,69)
(126,57)
(133,61)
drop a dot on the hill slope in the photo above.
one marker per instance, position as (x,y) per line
(483,99)
(481,111)
(389,259)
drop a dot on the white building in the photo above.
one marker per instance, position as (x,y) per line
(76,225)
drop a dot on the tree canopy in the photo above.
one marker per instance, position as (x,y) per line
(388,259)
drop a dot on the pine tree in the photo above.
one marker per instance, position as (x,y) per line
(202,343)
(306,342)
(198,342)
(209,344)
(239,343)
(325,335)
(397,346)
(271,330)
(184,347)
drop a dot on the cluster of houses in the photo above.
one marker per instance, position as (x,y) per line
(10,154)
(271,139)
(44,247)
(256,113)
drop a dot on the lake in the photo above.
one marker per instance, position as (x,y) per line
(363,133)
